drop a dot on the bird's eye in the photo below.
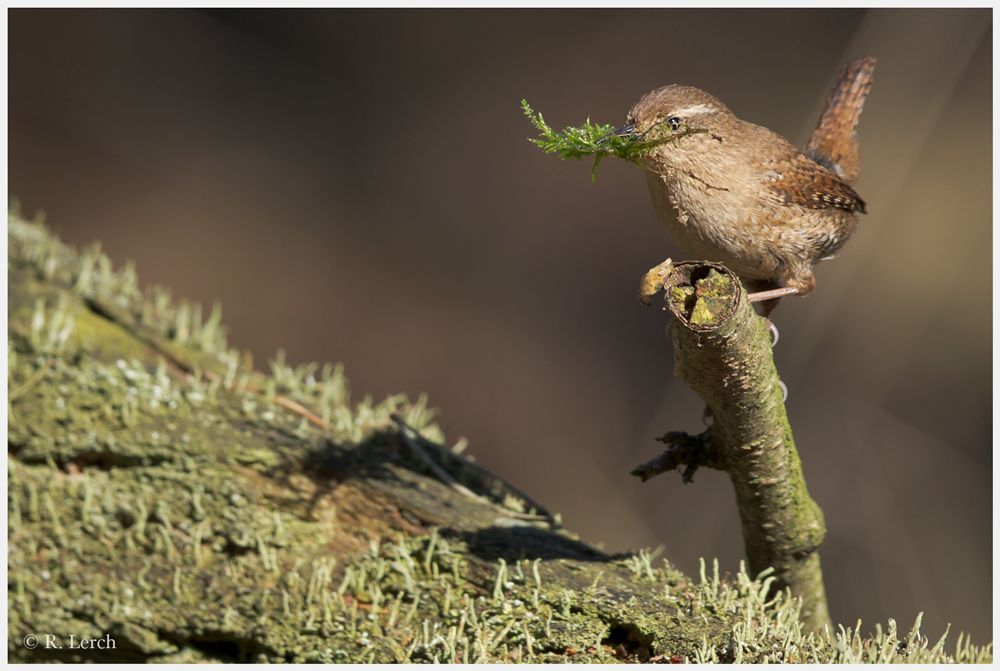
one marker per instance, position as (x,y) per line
(674,122)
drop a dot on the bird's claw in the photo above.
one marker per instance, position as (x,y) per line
(784,391)
(774,331)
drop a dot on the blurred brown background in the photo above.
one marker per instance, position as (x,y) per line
(356,186)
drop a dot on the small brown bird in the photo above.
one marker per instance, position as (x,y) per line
(743,195)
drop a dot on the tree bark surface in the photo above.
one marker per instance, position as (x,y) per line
(722,350)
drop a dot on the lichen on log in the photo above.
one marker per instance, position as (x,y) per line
(166,497)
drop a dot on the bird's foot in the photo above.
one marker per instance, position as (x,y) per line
(770,298)
(784,391)
(773,329)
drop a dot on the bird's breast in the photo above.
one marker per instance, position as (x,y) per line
(711,219)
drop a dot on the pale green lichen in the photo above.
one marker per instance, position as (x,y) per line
(193,520)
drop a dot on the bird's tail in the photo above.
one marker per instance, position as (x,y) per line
(834,143)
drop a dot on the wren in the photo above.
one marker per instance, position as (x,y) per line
(737,193)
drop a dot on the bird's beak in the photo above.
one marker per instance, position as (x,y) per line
(624,130)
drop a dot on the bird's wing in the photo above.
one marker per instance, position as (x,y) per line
(802,181)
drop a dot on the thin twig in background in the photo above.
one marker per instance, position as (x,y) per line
(441,474)
(448,479)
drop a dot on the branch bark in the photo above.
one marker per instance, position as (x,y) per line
(722,350)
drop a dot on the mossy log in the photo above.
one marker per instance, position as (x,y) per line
(168,503)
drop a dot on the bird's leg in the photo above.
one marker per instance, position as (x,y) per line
(771,295)
(769,298)
(767,305)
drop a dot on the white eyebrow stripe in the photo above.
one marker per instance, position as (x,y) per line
(696,109)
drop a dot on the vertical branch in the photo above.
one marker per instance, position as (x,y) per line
(722,350)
